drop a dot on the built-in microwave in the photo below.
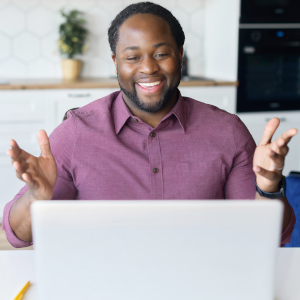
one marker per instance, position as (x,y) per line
(270,11)
(268,68)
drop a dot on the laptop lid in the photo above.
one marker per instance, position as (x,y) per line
(133,250)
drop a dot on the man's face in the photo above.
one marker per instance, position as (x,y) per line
(148,62)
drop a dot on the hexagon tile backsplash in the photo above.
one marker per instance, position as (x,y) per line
(29,34)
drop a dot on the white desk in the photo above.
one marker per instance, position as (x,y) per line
(287,277)
(17,267)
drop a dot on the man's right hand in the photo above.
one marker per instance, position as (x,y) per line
(39,173)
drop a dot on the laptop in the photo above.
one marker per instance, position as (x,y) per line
(158,250)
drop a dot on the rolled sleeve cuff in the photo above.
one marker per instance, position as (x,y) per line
(10,235)
(286,235)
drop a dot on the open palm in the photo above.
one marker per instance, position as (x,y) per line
(269,156)
(39,173)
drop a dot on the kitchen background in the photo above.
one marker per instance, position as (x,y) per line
(29,52)
(29,35)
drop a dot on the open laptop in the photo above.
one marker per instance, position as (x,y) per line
(158,250)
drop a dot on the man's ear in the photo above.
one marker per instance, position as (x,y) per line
(114,58)
(180,55)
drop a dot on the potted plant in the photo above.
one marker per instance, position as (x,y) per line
(72,35)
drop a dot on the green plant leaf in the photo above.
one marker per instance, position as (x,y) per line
(72,34)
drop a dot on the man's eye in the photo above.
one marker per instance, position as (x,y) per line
(161,55)
(132,58)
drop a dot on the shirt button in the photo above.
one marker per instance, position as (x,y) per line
(135,120)
(155,170)
(152,134)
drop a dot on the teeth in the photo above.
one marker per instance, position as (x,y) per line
(150,84)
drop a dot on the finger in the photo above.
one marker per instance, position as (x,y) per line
(16,153)
(19,175)
(14,145)
(283,140)
(28,179)
(12,154)
(269,131)
(287,136)
(272,176)
(278,160)
(283,151)
(15,156)
(20,167)
(44,144)
(18,170)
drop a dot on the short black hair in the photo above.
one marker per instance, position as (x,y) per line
(144,8)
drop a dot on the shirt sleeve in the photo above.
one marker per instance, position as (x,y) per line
(62,142)
(10,235)
(240,180)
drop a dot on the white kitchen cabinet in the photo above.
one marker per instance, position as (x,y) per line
(22,106)
(220,96)
(24,112)
(67,99)
(24,133)
(256,123)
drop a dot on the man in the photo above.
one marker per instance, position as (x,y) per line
(147,141)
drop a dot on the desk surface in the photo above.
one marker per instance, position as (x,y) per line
(17,267)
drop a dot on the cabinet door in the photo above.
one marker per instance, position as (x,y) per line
(18,106)
(220,96)
(76,98)
(24,134)
(256,123)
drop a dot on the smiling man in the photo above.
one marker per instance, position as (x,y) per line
(148,57)
(147,141)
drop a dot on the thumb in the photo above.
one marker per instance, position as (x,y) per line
(44,144)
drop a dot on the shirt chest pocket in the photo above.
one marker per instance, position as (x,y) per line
(199,179)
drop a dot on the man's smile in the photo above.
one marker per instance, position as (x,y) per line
(150,87)
(150,84)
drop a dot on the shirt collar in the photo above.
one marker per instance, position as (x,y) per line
(179,111)
(121,112)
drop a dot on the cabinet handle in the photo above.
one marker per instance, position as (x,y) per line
(283,119)
(79,95)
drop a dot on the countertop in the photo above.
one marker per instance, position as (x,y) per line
(40,84)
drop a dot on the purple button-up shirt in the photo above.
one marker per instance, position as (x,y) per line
(197,151)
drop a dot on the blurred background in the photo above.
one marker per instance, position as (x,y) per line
(29,35)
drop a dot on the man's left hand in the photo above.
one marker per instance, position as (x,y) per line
(269,157)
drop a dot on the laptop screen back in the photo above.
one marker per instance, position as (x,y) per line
(133,250)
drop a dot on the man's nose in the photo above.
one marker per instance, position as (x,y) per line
(148,65)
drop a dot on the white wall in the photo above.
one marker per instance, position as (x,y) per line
(29,34)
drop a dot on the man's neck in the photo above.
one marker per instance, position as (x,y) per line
(152,119)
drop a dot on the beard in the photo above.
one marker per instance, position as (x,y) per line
(150,107)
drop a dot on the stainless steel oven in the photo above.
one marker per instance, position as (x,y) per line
(268,68)
(270,11)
